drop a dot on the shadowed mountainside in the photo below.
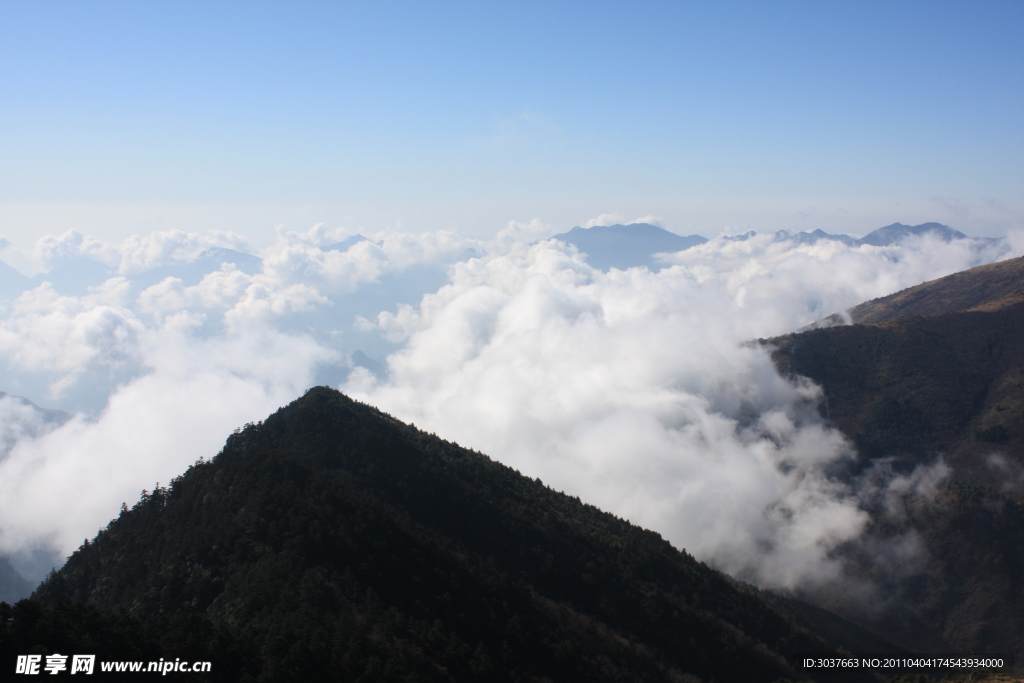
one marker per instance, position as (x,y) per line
(937,374)
(940,369)
(333,542)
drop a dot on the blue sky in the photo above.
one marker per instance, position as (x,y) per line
(123,117)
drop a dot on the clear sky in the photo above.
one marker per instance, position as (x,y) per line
(123,117)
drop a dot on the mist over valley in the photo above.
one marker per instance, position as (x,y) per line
(638,390)
(512,341)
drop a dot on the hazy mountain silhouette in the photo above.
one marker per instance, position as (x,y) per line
(74,277)
(48,416)
(14,425)
(814,237)
(13,586)
(740,238)
(882,237)
(12,282)
(192,272)
(627,246)
(376,368)
(345,244)
(897,232)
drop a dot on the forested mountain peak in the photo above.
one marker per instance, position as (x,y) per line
(332,539)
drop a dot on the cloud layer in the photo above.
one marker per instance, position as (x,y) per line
(635,390)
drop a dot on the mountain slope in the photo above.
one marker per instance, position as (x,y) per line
(914,387)
(910,390)
(913,383)
(985,288)
(333,541)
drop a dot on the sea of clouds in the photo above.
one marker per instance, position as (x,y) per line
(636,390)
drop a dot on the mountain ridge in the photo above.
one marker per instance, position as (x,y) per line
(344,511)
(983,288)
(931,379)
(896,232)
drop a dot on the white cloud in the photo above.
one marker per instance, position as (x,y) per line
(619,219)
(605,219)
(133,255)
(21,421)
(66,484)
(138,254)
(650,220)
(297,257)
(48,332)
(517,235)
(635,389)
(632,389)
(52,250)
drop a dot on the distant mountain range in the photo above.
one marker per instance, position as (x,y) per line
(638,244)
(607,246)
(345,244)
(626,246)
(74,277)
(11,281)
(897,232)
(882,237)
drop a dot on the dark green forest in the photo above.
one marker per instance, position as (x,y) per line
(332,542)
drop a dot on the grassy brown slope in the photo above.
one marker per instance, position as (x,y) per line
(988,287)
